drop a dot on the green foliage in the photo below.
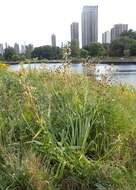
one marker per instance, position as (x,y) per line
(133,50)
(28,51)
(83,53)
(131,34)
(47,52)
(10,54)
(121,45)
(75,51)
(95,50)
(1,58)
(64,131)
(15,57)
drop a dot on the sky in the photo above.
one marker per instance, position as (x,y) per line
(33,21)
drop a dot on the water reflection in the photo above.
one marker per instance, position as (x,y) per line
(124,74)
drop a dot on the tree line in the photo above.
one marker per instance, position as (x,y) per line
(125,45)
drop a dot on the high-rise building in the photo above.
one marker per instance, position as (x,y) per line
(28,50)
(23,49)
(53,40)
(89,25)
(117,30)
(16,47)
(74,31)
(106,37)
(6,45)
(1,49)
(62,45)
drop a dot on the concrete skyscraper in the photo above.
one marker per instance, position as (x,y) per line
(23,49)
(53,40)
(1,49)
(6,45)
(89,25)
(117,30)
(16,47)
(74,31)
(106,37)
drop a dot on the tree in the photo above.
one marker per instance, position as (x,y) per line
(28,52)
(95,49)
(120,46)
(42,52)
(1,57)
(133,50)
(106,47)
(75,51)
(9,54)
(83,53)
(131,34)
(57,53)
(15,57)
(47,52)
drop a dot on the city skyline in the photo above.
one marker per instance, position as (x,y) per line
(25,20)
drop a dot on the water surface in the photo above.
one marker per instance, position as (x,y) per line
(121,73)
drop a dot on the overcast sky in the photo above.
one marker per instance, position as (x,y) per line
(33,21)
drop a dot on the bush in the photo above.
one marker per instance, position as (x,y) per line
(64,131)
(95,50)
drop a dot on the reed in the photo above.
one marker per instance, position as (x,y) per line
(65,131)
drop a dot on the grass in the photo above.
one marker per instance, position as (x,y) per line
(62,131)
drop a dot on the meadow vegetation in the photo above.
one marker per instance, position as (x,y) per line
(63,131)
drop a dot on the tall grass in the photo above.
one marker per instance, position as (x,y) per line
(65,131)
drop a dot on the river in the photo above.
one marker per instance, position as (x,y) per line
(118,74)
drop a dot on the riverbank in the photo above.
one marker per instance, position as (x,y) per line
(113,60)
(117,60)
(81,137)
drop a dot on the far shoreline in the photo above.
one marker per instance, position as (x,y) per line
(109,61)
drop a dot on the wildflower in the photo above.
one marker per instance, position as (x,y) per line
(3,66)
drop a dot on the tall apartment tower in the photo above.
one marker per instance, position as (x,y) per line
(23,49)
(53,40)
(75,31)
(16,47)
(106,37)
(6,45)
(117,30)
(89,25)
(1,49)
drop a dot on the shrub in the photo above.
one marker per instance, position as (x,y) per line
(65,131)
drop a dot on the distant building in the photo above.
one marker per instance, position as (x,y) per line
(53,40)
(23,49)
(6,45)
(106,37)
(16,47)
(28,50)
(1,49)
(62,45)
(89,25)
(117,30)
(74,31)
